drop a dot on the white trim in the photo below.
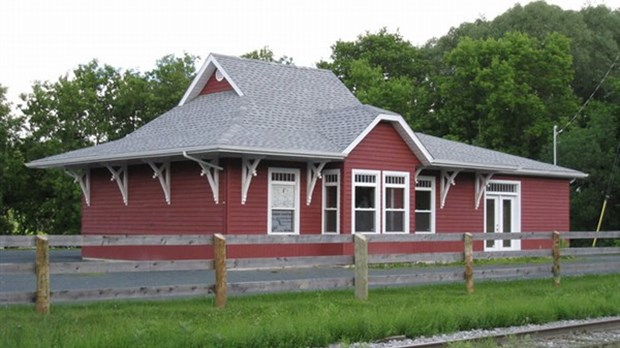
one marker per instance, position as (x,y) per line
(120,176)
(377,203)
(406,193)
(248,171)
(324,200)
(516,196)
(297,207)
(210,169)
(162,172)
(433,191)
(425,157)
(447,181)
(82,177)
(482,181)
(202,77)
(313,173)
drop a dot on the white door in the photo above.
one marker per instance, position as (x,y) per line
(501,217)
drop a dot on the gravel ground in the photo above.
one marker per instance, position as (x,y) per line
(608,338)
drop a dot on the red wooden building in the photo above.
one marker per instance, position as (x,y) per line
(262,148)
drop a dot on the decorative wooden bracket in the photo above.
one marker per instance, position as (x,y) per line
(248,171)
(162,172)
(314,173)
(119,174)
(82,177)
(481,186)
(447,181)
(210,169)
(417,173)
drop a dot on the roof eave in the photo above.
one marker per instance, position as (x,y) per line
(84,161)
(508,169)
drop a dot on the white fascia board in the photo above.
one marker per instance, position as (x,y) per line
(207,69)
(82,161)
(404,127)
(514,170)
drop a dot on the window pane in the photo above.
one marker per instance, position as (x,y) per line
(395,198)
(490,221)
(364,221)
(331,197)
(282,196)
(423,200)
(364,197)
(507,223)
(423,222)
(282,220)
(394,221)
(330,220)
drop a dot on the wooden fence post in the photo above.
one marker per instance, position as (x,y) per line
(361,266)
(219,262)
(469,262)
(42,270)
(555,269)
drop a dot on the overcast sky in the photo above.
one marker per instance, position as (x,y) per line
(44,39)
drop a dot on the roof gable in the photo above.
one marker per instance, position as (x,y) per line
(208,69)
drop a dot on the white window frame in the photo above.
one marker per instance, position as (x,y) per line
(296,172)
(384,209)
(516,243)
(377,208)
(324,205)
(433,206)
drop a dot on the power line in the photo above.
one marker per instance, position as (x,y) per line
(611,67)
(557,132)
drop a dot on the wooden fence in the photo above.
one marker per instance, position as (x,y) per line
(360,259)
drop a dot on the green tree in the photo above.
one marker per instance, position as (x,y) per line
(94,103)
(10,164)
(385,70)
(267,55)
(506,94)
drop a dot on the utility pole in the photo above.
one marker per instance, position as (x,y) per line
(555,144)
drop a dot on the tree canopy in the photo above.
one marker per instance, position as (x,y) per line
(94,103)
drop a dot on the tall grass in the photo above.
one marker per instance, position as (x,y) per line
(309,319)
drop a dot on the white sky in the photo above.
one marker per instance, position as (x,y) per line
(43,39)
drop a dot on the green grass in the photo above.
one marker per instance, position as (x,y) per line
(310,319)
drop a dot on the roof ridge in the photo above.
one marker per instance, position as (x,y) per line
(290,66)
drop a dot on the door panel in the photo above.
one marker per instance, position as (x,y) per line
(501,217)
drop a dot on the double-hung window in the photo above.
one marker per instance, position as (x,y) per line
(331,201)
(396,202)
(425,204)
(366,201)
(283,214)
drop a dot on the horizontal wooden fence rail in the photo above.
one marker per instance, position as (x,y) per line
(360,279)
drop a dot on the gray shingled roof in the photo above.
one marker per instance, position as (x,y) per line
(283,110)
(447,152)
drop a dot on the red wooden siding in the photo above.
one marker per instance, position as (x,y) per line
(382,149)
(251,217)
(214,86)
(545,206)
(192,209)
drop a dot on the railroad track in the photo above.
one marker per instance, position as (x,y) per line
(535,333)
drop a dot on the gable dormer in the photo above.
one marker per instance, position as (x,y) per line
(211,78)
(216,83)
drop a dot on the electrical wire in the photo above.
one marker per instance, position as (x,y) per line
(611,67)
